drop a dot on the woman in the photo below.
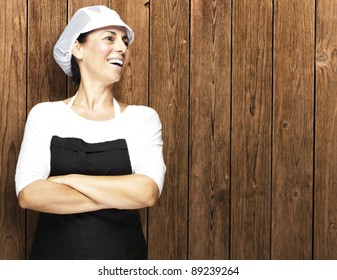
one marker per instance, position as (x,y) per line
(88,163)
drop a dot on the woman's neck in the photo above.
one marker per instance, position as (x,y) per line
(92,98)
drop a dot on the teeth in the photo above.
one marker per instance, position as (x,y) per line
(116,61)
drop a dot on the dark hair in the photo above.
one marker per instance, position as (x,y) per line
(76,77)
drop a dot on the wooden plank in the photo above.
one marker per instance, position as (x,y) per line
(210,82)
(251,129)
(167,237)
(133,87)
(46,80)
(12,117)
(73,6)
(325,234)
(292,166)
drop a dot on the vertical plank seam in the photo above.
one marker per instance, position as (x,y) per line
(66,77)
(148,56)
(189,130)
(148,97)
(26,108)
(314,136)
(272,132)
(230,133)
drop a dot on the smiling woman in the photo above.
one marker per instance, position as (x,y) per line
(88,163)
(103,55)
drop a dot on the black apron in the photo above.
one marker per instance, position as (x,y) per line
(105,234)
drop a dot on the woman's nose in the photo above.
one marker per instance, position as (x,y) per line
(121,46)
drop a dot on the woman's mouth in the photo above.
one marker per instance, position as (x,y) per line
(116,61)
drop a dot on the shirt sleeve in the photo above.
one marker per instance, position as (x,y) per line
(149,159)
(34,157)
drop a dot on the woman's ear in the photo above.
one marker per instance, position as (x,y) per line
(77,50)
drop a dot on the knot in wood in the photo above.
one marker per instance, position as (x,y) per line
(295,194)
(322,56)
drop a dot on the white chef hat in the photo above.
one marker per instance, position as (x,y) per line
(85,20)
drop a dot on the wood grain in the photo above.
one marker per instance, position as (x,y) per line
(249,176)
(167,237)
(46,80)
(325,234)
(292,179)
(251,129)
(13,113)
(210,79)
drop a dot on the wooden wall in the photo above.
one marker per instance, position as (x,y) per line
(246,91)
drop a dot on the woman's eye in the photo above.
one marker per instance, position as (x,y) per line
(110,38)
(126,43)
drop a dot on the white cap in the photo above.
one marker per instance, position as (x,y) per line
(85,20)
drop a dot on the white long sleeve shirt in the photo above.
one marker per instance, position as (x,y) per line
(140,126)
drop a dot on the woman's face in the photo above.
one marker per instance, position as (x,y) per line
(105,54)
